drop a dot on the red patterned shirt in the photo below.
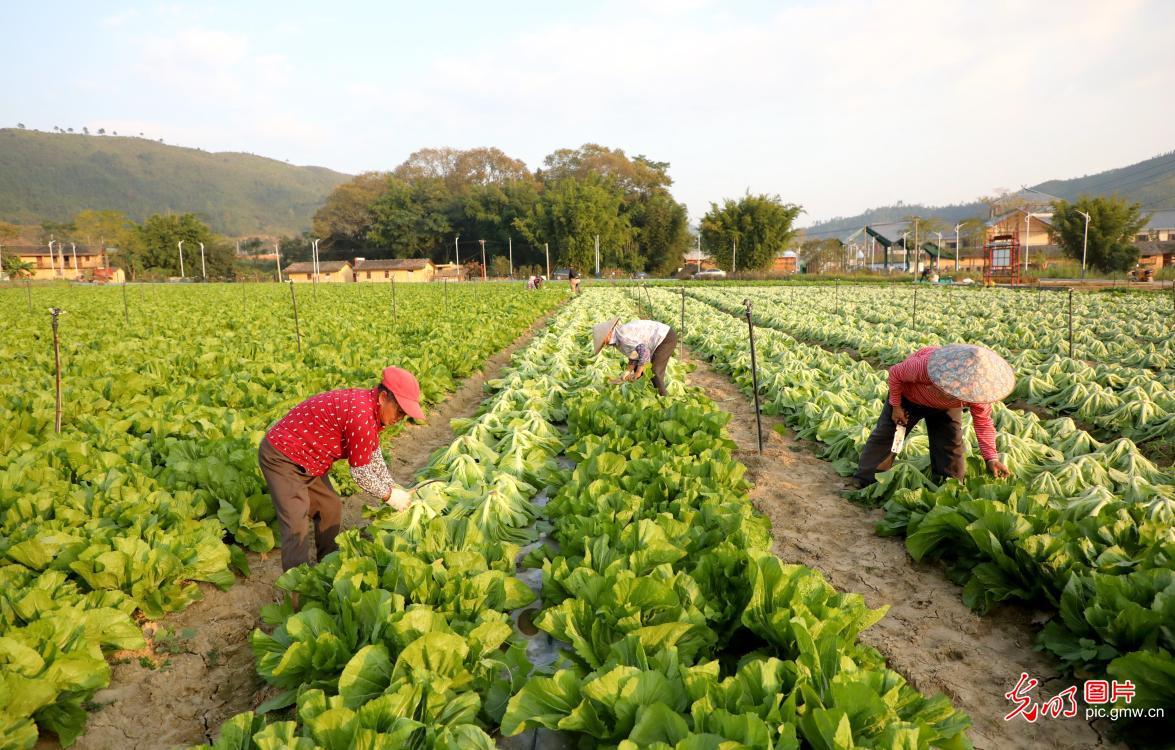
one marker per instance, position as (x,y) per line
(909,380)
(329,427)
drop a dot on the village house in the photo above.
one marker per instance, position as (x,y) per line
(71,263)
(394,269)
(329,271)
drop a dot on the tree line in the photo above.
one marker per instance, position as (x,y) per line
(442,202)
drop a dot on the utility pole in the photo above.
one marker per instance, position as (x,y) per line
(734,255)
(957,227)
(203,270)
(277,249)
(1084,243)
(597,255)
(483,259)
(74,248)
(181,247)
(52,260)
(547,250)
(511,241)
(917,247)
(457,250)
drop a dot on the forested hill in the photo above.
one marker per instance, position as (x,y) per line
(1150,182)
(52,176)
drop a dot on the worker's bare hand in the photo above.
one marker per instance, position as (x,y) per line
(997,468)
(899,415)
(399,499)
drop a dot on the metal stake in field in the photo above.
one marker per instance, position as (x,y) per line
(56,313)
(297,326)
(1070,324)
(680,341)
(126,309)
(547,250)
(754,375)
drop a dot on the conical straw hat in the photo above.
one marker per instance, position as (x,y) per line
(600,331)
(973,374)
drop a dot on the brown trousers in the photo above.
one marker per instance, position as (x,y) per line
(948,453)
(660,359)
(299,499)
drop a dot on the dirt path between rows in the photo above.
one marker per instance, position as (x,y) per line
(204,673)
(929,635)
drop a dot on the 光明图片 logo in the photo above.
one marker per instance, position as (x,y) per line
(1101,699)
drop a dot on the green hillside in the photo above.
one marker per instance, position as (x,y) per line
(1150,182)
(49,176)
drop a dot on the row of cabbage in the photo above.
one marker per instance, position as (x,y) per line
(682,629)
(123,512)
(404,636)
(1112,397)
(1084,526)
(659,560)
(1132,331)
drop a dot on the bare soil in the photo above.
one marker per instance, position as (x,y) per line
(200,669)
(929,635)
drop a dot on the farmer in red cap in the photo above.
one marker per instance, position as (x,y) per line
(936,384)
(300,448)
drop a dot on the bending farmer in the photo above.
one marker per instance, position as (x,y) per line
(642,342)
(936,384)
(300,448)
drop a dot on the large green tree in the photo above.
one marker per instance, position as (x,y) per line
(345,218)
(662,227)
(761,225)
(160,235)
(1113,224)
(410,219)
(571,213)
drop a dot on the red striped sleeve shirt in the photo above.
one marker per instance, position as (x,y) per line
(909,380)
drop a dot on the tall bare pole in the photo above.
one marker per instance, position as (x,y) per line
(511,241)
(203,268)
(180,245)
(56,313)
(483,259)
(457,250)
(277,249)
(74,249)
(547,250)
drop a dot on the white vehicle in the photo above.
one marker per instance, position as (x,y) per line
(710,273)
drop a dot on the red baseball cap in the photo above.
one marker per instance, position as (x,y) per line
(404,387)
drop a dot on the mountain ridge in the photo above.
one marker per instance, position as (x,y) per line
(1150,182)
(52,176)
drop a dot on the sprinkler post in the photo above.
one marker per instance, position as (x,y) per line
(56,313)
(1070,323)
(297,325)
(754,375)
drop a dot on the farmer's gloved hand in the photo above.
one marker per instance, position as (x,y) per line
(997,468)
(399,499)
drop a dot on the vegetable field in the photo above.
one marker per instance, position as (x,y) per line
(589,564)
(1087,524)
(152,485)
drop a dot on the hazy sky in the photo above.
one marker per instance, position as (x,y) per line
(838,106)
